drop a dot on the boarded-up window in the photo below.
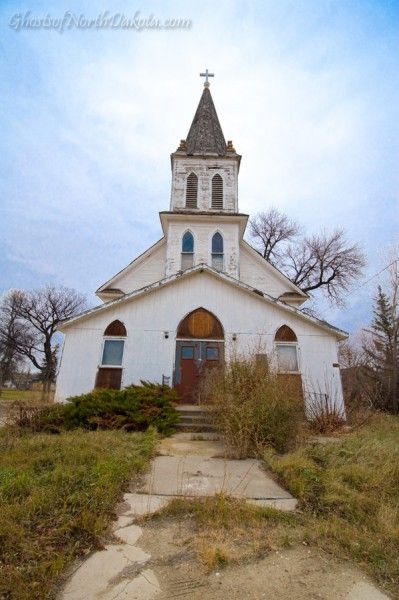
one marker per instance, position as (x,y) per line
(191,191)
(200,324)
(109,378)
(109,375)
(285,334)
(187,251)
(115,328)
(217,192)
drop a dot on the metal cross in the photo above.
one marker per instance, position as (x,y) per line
(206,75)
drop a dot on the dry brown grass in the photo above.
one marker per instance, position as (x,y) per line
(253,406)
(349,491)
(227,530)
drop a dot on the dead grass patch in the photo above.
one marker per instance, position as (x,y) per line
(228,530)
(349,491)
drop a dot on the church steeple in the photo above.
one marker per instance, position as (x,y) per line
(205,168)
(206,136)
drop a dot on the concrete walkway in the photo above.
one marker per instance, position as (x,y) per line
(198,468)
(185,467)
(190,468)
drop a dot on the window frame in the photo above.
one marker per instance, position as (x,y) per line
(297,352)
(108,338)
(217,254)
(185,253)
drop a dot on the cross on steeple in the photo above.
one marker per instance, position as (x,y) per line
(206,75)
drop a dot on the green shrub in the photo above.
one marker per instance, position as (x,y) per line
(134,408)
(253,406)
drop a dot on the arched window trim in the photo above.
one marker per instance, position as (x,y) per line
(188,231)
(217,194)
(182,334)
(285,331)
(187,257)
(191,191)
(117,323)
(287,351)
(217,258)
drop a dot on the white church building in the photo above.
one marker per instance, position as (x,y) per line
(199,295)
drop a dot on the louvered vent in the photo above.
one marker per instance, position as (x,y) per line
(217,192)
(192,191)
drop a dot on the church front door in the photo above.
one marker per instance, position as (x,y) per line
(199,347)
(193,359)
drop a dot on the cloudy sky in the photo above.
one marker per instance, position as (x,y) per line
(307,90)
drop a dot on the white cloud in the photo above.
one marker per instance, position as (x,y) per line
(303,91)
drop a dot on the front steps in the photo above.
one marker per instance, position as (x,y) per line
(194,419)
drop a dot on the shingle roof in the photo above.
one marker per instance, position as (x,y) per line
(206,135)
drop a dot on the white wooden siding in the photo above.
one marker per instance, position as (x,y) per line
(148,355)
(148,270)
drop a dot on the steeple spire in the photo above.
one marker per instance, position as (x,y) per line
(206,135)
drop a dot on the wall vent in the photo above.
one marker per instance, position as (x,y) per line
(217,192)
(192,191)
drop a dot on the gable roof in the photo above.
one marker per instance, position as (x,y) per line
(202,267)
(268,265)
(206,135)
(107,286)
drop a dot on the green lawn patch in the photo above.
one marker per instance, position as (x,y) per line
(57,495)
(349,491)
(29,396)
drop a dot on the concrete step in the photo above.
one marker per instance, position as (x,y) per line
(192,411)
(194,419)
(195,427)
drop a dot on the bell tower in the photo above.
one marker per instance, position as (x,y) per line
(204,195)
(205,168)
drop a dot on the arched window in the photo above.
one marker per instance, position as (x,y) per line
(217,251)
(217,192)
(286,347)
(109,374)
(113,348)
(191,191)
(187,251)
(200,324)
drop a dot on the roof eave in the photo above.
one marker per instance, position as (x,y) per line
(167,215)
(338,333)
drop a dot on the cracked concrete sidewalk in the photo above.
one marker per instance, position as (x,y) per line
(184,467)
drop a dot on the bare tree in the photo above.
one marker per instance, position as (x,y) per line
(11,329)
(325,262)
(37,316)
(269,229)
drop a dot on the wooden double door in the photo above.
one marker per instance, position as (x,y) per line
(193,359)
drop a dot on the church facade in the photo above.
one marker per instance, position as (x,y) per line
(199,295)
